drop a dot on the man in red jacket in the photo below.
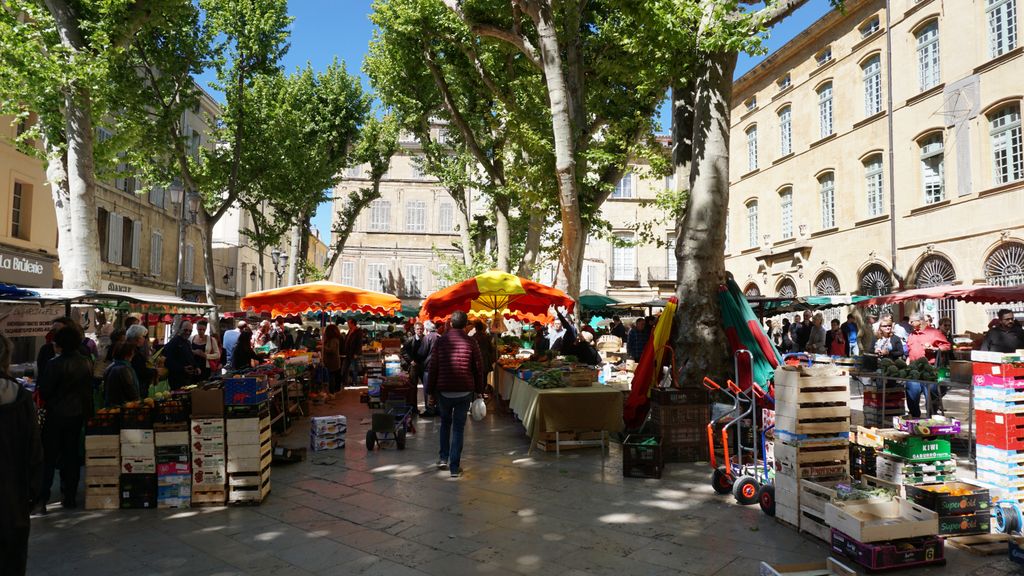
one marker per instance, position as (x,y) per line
(455,377)
(923,342)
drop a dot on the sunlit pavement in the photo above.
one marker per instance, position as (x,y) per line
(391,512)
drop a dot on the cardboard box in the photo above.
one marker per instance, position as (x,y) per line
(318,445)
(173,470)
(208,403)
(136,436)
(138,465)
(206,427)
(212,462)
(138,451)
(183,502)
(247,425)
(328,424)
(172,438)
(201,479)
(217,446)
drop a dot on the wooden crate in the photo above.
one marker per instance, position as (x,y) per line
(793,391)
(813,522)
(836,422)
(248,495)
(896,519)
(102,446)
(102,498)
(814,462)
(208,498)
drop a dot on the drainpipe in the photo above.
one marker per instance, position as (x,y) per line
(892,153)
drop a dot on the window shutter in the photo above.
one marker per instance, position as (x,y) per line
(136,244)
(156,250)
(115,238)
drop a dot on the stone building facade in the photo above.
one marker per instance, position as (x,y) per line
(877,152)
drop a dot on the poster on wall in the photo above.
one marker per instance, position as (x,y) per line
(28,321)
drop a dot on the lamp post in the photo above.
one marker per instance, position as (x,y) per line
(190,207)
(280,261)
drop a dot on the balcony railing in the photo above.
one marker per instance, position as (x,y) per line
(661,274)
(621,276)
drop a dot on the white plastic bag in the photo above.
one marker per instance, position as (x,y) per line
(478,410)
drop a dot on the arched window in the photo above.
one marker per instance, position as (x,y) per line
(827,190)
(826,285)
(786,289)
(752,148)
(928,55)
(1005,266)
(1002,26)
(785,131)
(935,270)
(874,182)
(872,69)
(933,168)
(875,281)
(1007,145)
(825,110)
(751,290)
(786,212)
(752,224)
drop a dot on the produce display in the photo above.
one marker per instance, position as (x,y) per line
(919,369)
(547,380)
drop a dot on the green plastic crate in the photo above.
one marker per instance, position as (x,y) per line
(919,449)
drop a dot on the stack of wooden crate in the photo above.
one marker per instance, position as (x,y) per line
(248,454)
(102,470)
(173,468)
(138,468)
(812,431)
(680,420)
(209,461)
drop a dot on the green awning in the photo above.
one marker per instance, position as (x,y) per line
(591,300)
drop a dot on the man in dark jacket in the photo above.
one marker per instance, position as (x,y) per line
(1007,336)
(456,375)
(179,359)
(136,336)
(351,350)
(21,475)
(618,329)
(120,383)
(66,390)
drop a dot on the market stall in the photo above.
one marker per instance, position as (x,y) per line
(572,416)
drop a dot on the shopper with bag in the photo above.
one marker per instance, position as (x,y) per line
(456,377)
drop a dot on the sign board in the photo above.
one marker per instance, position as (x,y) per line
(111,286)
(24,270)
(28,320)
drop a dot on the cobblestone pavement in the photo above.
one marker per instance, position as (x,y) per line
(392,513)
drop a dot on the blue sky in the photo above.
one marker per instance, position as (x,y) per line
(325,29)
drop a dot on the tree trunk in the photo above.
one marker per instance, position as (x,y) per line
(57,176)
(465,238)
(259,254)
(83,269)
(571,254)
(701,232)
(503,233)
(534,230)
(206,229)
(294,249)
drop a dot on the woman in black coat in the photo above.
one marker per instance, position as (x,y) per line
(21,474)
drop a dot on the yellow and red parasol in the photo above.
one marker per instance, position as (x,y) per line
(320,297)
(496,292)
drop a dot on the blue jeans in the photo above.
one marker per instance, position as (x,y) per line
(453,424)
(914,391)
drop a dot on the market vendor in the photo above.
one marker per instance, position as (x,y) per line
(1006,336)
(923,342)
(540,340)
(583,349)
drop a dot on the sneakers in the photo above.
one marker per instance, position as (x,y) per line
(442,464)
(456,473)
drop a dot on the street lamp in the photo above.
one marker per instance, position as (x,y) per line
(252,274)
(280,261)
(193,205)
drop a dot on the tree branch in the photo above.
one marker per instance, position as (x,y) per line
(460,120)
(478,65)
(771,15)
(140,13)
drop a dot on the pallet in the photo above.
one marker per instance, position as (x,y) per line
(102,498)
(981,545)
(249,495)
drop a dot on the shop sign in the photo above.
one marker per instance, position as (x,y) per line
(111,286)
(26,271)
(19,320)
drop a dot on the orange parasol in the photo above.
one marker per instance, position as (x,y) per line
(320,296)
(496,293)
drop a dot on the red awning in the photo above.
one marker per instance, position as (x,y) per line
(983,294)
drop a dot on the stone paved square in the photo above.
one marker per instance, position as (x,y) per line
(390,512)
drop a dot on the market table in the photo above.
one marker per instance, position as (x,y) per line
(559,409)
(506,381)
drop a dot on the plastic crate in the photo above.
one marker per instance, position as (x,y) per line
(172,411)
(947,504)
(138,490)
(137,418)
(922,551)
(696,415)
(673,396)
(103,423)
(640,459)
(918,449)
(682,434)
(696,452)
(245,391)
